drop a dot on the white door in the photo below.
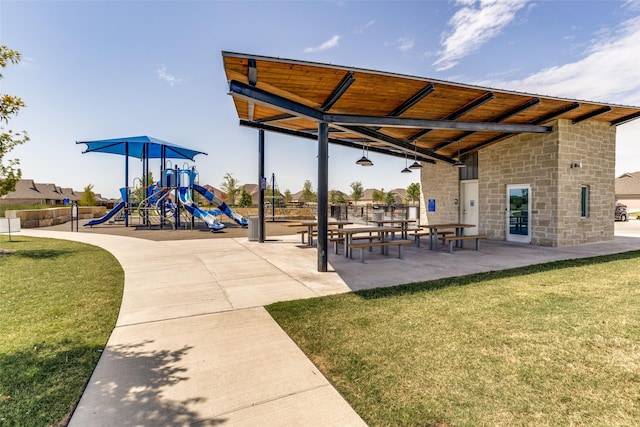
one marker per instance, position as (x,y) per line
(518,213)
(469,204)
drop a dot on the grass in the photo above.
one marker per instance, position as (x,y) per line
(58,304)
(547,345)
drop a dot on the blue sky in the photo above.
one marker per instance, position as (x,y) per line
(105,69)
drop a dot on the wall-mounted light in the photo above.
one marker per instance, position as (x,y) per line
(576,165)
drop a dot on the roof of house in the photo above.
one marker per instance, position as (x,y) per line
(628,184)
(28,189)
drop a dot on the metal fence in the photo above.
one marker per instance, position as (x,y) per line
(369,213)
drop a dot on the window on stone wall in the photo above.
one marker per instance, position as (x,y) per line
(584,201)
(470,169)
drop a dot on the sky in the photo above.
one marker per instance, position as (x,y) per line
(107,69)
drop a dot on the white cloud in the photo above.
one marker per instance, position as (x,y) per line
(364,27)
(329,44)
(405,44)
(608,72)
(169,78)
(475,23)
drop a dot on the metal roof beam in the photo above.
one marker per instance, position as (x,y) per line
(252,72)
(484,144)
(591,114)
(339,90)
(517,110)
(470,106)
(277,118)
(245,91)
(625,119)
(417,97)
(458,113)
(341,142)
(555,114)
(402,122)
(242,90)
(396,143)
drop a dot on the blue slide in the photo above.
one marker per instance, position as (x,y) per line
(117,208)
(239,219)
(193,209)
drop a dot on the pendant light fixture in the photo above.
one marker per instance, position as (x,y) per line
(415,164)
(364,160)
(458,163)
(406,169)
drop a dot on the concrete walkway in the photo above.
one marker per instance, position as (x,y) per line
(193,345)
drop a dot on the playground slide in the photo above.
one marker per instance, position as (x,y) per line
(221,205)
(193,209)
(117,208)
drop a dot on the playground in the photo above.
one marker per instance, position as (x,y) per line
(175,202)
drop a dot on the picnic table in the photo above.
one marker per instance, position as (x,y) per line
(433,231)
(383,234)
(314,224)
(403,223)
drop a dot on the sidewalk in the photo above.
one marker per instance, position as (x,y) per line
(193,345)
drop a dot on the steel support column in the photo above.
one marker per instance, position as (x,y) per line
(261,180)
(126,184)
(323,190)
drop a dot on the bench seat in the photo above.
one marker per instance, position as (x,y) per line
(418,234)
(378,243)
(461,239)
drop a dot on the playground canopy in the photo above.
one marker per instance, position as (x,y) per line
(141,147)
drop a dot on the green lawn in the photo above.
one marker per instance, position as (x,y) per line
(549,345)
(58,304)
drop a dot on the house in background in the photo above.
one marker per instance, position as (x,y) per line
(628,190)
(28,192)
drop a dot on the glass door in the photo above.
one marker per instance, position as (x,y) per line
(518,203)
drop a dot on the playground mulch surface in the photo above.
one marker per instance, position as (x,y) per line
(231,230)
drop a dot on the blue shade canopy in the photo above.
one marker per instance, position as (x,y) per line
(133,146)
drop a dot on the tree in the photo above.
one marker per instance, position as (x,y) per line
(88,197)
(389,198)
(413,192)
(357,191)
(10,105)
(308,195)
(333,196)
(378,196)
(245,199)
(231,186)
(287,196)
(139,192)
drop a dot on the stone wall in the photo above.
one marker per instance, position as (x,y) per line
(592,145)
(34,218)
(523,159)
(439,182)
(544,162)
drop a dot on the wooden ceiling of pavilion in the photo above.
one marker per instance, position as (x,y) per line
(391,113)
